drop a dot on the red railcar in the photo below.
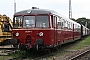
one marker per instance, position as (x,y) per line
(42,29)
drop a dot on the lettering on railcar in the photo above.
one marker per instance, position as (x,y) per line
(28,31)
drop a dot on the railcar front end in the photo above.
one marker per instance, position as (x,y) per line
(33,31)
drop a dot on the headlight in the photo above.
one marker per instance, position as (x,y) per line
(17,34)
(41,34)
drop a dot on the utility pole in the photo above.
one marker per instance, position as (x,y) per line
(70,10)
(14,6)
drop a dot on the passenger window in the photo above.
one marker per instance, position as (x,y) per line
(54,22)
(65,26)
(69,25)
(51,21)
(58,23)
(62,23)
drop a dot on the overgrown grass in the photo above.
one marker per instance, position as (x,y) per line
(86,41)
(81,44)
(28,54)
(20,55)
(5,57)
(23,54)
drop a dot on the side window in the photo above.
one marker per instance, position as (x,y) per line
(58,23)
(65,25)
(69,25)
(51,17)
(62,23)
(54,21)
(75,27)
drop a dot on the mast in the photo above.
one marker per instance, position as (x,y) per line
(14,6)
(70,10)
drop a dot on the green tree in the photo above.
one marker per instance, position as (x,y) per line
(73,19)
(84,21)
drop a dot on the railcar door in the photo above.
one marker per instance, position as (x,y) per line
(55,29)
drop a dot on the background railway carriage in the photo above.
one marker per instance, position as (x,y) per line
(42,29)
(84,31)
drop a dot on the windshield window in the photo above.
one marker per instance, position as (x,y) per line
(18,22)
(29,21)
(42,21)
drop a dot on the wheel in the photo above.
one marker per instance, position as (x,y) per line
(15,45)
(21,47)
(14,41)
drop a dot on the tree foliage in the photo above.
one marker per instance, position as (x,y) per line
(83,21)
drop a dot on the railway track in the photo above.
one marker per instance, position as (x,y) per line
(43,57)
(7,47)
(6,50)
(81,54)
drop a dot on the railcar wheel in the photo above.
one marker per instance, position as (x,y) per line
(22,47)
(15,45)
(14,41)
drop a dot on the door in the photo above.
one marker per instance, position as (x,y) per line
(55,29)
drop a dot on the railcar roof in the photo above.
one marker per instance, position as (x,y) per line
(36,11)
(44,11)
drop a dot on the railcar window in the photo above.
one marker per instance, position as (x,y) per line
(29,21)
(65,25)
(18,22)
(77,28)
(62,23)
(59,23)
(54,21)
(69,25)
(42,21)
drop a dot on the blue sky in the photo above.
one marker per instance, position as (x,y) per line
(80,8)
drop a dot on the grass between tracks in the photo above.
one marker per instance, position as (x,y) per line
(4,57)
(81,44)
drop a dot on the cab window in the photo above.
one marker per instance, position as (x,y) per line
(17,22)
